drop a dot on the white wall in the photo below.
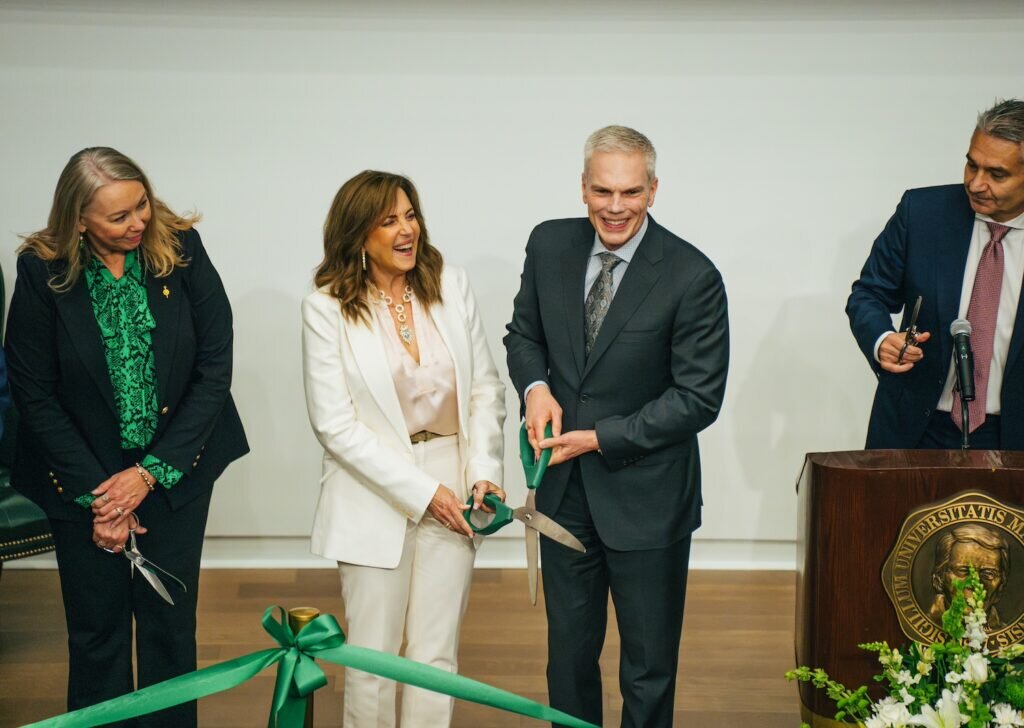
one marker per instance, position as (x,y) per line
(786,132)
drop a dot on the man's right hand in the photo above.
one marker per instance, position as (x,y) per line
(889,352)
(541,408)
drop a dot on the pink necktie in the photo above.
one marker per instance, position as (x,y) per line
(982,313)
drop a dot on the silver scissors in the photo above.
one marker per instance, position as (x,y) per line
(147,568)
(911,337)
(535,521)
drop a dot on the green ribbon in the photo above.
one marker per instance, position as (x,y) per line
(533,467)
(298,676)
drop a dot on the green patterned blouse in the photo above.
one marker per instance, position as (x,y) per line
(125,321)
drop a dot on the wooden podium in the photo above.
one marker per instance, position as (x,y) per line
(851,507)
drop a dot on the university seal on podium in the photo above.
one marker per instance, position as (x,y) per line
(937,544)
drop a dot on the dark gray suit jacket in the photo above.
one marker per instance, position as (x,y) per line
(655,378)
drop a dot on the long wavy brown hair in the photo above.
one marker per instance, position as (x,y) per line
(361,205)
(83,175)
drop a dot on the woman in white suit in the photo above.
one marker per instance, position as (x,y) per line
(404,397)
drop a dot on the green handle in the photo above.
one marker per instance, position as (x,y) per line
(534,469)
(502,515)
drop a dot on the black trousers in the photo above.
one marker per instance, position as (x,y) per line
(101,596)
(648,589)
(943,434)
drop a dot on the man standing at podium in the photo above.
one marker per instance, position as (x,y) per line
(960,248)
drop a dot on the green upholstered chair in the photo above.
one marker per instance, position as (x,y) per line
(24,529)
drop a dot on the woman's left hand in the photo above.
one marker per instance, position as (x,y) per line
(119,495)
(482,488)
(112,536)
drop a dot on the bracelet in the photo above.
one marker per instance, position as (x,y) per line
(142,474)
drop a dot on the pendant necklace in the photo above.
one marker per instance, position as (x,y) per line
(401,316)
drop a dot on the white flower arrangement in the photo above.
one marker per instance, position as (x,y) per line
(949,684)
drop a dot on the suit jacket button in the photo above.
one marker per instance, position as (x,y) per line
(927,413)
(584,398)
(164,410)
(59,489)
(51,474)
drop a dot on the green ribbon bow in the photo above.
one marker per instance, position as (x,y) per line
(298,676)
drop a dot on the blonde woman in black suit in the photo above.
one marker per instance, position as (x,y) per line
(119,347)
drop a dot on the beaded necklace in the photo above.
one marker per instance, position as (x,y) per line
(401,316)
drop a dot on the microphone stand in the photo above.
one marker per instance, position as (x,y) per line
(966,418)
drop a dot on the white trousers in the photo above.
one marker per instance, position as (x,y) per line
(425,596)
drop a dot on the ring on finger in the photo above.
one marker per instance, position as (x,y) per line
(120,510)
(105,498)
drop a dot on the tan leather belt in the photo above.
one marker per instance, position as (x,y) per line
(424,436)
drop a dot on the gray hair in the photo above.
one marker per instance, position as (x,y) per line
(620,139)
(1004,121)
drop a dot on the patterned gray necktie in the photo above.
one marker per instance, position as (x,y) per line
(599,299)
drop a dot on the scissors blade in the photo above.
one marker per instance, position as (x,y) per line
(139,560)
(537,521)
(532,563)
(532,552)
(913,316)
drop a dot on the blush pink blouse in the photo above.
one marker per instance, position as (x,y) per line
(426,391)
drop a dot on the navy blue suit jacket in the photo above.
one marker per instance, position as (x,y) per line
(922,252)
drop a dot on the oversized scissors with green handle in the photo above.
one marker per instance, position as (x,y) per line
(535,521)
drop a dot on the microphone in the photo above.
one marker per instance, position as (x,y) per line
(963,358)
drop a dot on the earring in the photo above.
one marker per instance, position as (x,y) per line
(81,241)
(364,258)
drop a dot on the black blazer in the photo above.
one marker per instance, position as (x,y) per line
(922,252)
(655,378)
(69,437)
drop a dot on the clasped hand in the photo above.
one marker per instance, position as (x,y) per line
(890,348)
(119,495)
(113,535)
(116,498)
(542,408)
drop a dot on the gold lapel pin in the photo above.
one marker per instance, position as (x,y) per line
(167,293)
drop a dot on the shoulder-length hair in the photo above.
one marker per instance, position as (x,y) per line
(361,205)
(83,175)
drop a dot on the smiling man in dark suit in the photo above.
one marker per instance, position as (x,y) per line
(619,339)
(961,248)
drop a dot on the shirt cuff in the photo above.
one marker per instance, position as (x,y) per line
(85,500)
(878,344)
(167,475)
(526,392)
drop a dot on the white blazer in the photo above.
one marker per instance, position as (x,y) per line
(370,487)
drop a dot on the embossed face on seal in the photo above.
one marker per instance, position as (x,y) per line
(937,545)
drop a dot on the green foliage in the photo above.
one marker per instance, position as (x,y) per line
(920,675)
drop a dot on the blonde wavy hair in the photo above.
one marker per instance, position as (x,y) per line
(83,175)
(361,205)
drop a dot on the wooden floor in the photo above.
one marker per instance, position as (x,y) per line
(737,642)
